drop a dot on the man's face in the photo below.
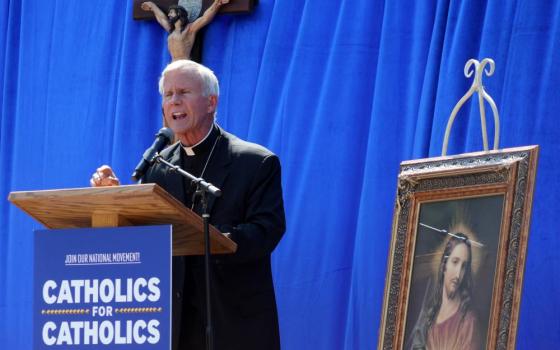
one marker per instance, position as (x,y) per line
(172,14)
(186,110)
(455,269)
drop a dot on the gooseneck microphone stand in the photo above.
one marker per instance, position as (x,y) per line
(203,188)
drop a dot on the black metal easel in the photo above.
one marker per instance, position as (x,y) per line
(203,188)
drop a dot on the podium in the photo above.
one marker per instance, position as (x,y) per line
(130,205)
(115,250)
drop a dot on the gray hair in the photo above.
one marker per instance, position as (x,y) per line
(210,86)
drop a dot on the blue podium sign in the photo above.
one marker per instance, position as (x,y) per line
(108,287)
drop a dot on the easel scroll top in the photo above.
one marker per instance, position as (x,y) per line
(478,70)
(234,6)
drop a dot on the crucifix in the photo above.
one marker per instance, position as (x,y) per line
(184,19)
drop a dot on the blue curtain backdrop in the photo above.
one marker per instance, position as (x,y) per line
(342,91)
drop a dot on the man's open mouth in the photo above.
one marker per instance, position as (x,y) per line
(177,116)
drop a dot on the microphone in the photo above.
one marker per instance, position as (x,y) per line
(163,138)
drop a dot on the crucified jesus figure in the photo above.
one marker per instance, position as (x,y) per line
(182,33)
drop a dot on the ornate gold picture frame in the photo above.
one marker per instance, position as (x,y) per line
(458,249)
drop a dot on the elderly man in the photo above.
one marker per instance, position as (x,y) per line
(251,209)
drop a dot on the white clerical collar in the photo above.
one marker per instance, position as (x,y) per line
(190,149)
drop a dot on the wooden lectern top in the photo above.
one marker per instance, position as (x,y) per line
(131,205)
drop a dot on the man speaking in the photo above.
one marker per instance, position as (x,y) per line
(244,314)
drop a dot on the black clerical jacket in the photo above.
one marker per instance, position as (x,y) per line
(251,208)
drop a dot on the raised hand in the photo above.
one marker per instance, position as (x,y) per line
(104,176)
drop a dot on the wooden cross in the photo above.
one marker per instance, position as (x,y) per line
(235,6)
(195,51)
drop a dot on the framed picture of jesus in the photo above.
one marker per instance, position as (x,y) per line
(458,251)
